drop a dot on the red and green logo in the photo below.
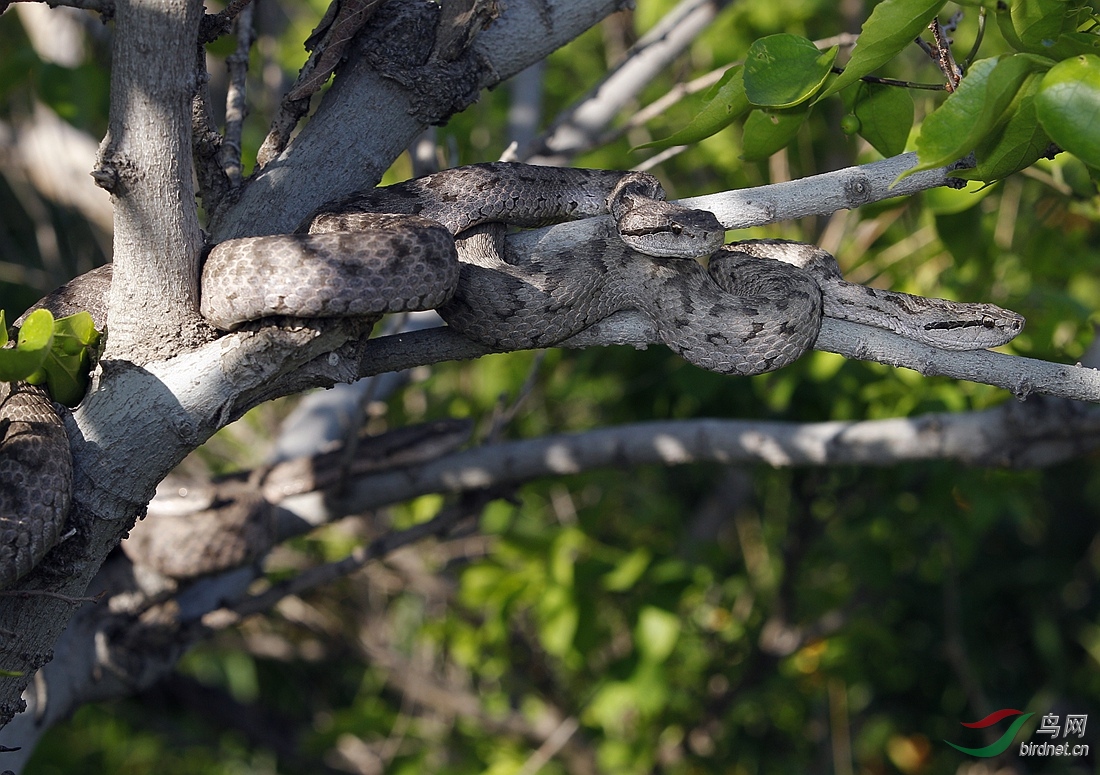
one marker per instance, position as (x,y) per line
(999,747)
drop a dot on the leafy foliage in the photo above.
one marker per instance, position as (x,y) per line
(782,71)
(56,353)
(1067,104)
(999,111)
(980,104)
(891,28)
(724,103)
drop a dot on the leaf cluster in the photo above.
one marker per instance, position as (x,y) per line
(1009,110)
(52,352)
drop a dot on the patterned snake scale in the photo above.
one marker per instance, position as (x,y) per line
(757,307)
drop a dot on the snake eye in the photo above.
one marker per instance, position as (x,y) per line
(989,322)
(676,228)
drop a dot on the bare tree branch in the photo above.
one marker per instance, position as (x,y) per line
(822,194)
(213,26)
(328,46)
(525,32)
(235,106)
(145,162)
(1022,376)
(579,128)
(206,142)
(1039,434)
(105,7)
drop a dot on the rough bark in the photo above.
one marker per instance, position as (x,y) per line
(525,33)
(145,163)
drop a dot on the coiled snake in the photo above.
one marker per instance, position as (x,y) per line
(757,307)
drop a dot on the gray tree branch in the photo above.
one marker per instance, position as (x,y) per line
(145,162)
(308,173)
(579,128)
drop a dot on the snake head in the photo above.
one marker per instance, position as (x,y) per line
(986,325)
(666,230)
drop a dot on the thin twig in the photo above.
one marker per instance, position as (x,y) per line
(896,82)
(660,158)
(504,414)
(215,25)
(973,53)
(545,752)
(577,129)
(664,102)
(330,572)
(945,60)
(235,106)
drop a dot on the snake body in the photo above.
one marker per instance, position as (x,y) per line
(36,474)
(757,307)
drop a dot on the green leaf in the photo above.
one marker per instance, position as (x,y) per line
(627,572)
(768,131)
(974,110)
(1036,21)
(891,27)
(78,331)
(67,365)
(52,352)
(885,116)
(66,376)
(1045,27)
(1068,106)
(1019,143)
(31,348)
(949,201)
(1072,44)
(784,70)
(559,617)
(656,633)
(1079,177)
(723,103)
(3,329)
